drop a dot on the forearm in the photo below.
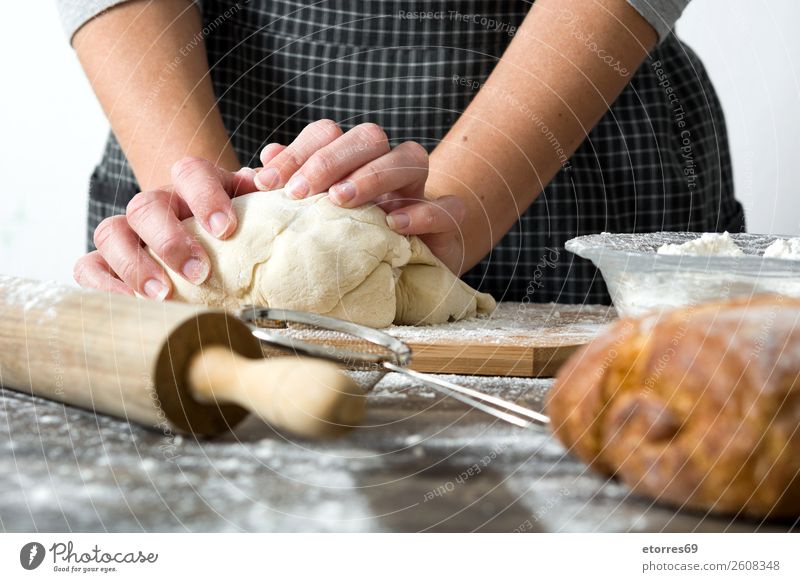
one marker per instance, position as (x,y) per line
(147,64)
(542,99)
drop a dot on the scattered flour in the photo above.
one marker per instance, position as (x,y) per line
(516,324)
(32,296)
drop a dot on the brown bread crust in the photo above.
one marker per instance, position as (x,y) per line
(699,408)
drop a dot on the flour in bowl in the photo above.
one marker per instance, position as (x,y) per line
(709,244)
(784,249)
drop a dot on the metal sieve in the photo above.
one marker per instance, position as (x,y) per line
(368,354)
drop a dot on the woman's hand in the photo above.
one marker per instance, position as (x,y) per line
(121,265)
(359,167)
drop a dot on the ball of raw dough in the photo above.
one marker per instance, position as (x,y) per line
(311,255)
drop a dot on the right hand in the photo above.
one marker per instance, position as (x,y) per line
(153,218)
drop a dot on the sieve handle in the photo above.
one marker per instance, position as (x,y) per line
(497,407)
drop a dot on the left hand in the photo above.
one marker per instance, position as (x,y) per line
(359,167)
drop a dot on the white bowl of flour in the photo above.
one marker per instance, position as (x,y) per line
(663,270)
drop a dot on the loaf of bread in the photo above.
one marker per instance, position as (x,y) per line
(698,407)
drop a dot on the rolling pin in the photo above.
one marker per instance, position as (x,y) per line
(169,366)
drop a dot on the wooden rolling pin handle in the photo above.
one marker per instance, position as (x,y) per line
(308,397)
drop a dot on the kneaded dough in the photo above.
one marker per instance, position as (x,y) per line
(311,255)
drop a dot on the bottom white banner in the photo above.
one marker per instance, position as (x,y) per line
(389,557)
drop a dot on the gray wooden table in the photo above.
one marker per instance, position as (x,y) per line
(421,463)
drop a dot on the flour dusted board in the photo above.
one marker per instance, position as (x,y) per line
(525,340)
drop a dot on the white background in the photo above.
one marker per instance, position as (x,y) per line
(52,130)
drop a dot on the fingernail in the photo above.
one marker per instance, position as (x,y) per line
(219,223)
(155,289)
(195,270)
(343,192)
(397,221)
(267,179)
(297,187)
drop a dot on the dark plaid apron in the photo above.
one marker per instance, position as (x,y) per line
(658,160)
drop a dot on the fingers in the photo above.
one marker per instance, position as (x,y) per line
(329,164)
(428,216)
(357,167)
(153,216)
(405,168)
(92,272)
(282,166)
(238,182)
(121,250)
(202,186)
(446,246)
(270,151)
(391,201)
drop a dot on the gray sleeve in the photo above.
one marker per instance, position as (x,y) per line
(76,13)
(661,14)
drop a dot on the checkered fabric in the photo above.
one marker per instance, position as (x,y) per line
(658,160)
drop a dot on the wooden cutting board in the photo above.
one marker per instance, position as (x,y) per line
(523,340)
